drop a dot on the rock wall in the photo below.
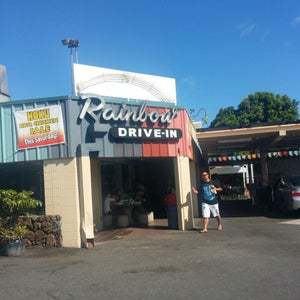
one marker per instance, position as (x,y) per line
(43,231)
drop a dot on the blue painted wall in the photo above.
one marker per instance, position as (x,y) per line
(83,137)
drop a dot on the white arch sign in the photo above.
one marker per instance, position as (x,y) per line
(121,84)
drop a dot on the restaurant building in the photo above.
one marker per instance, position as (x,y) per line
(73,151)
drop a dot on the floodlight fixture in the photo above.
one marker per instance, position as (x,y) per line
(71,43)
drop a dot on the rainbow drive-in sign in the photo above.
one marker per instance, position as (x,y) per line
(39,127)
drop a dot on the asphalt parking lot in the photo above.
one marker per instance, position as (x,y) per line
(253,258)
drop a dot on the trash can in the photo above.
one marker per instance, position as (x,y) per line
(172,217)
(123,221)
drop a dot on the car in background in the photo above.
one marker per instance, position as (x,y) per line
(286,194)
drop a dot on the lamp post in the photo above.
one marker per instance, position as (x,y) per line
(73,45)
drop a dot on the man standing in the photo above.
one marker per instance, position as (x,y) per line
(207,194)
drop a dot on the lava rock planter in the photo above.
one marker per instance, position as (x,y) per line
(42,231)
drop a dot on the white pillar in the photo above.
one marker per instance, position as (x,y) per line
(86,199)
(183,192)
(62,197)
(195,207)
(252,173)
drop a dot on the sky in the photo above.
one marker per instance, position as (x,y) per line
(218,51)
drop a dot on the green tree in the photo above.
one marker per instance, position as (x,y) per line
(226,117)
(260,107)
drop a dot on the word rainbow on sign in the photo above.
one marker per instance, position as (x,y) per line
(124,113)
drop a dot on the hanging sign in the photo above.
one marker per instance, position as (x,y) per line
(96,108)
(39,127)
(145,133)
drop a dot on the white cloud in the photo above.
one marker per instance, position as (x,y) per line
(246,29)
(188,82)
(296,21)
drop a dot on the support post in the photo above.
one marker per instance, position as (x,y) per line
(264,168)
(183,192)
(97,193)
(86,202)
(194,177)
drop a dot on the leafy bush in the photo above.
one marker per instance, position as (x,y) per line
(14,203)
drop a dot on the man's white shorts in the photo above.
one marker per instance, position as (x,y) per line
(207,208)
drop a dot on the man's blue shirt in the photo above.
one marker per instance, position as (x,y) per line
(205,193)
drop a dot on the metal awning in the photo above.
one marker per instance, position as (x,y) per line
(264,137)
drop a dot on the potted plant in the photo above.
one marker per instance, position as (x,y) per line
(11,239)
(12,205)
